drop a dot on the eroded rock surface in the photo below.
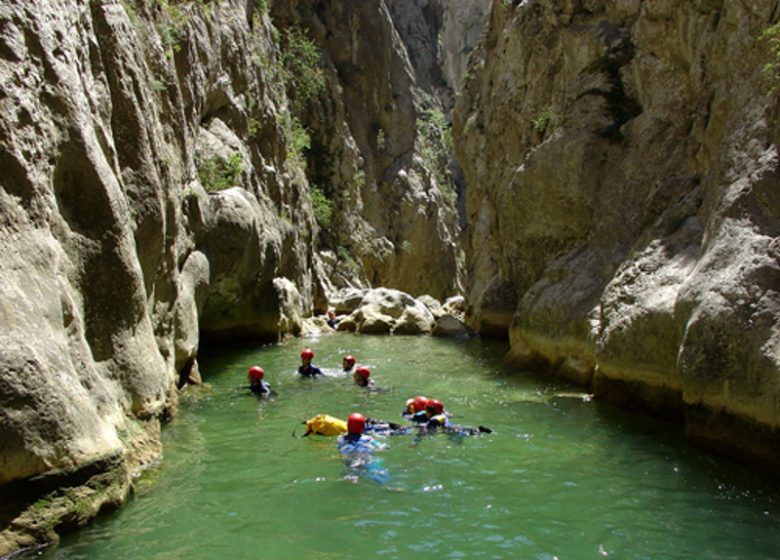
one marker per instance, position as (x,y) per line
(116,261)
(622,166)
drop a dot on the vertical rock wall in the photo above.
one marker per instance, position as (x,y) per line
(394,219)
(116,261)
(623,206)
(155,193)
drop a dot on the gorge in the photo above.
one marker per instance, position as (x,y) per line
(175,173)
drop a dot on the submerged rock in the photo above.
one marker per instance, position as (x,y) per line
(447,325)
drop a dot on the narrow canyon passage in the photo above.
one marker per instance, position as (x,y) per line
(560,477)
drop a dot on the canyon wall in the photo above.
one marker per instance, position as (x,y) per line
(624,208)
(160,172)
(116,259)
(378,147)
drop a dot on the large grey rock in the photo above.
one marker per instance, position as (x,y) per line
(433,305)
(626,192)
(447,325)
(115,261)
(383,310)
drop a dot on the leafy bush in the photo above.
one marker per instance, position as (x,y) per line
(547,119)
(300,67)
(172,30)
(771,36)
(217,174)
(323,208)
(298,140)
(261,7)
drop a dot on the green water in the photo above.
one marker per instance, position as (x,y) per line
(560,477)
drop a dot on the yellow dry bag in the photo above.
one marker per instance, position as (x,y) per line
(325,425)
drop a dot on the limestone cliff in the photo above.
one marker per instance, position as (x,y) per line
(623,204)
(161,171)
(115,119)
(378,152)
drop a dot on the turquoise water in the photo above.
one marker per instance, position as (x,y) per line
(560,477)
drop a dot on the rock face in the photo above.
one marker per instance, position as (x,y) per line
(622,165)
(378,136)
(156,191)
(116,261)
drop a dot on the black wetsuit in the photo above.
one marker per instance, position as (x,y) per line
(261,388)
(310,371)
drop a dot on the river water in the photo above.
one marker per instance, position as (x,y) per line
(561,477)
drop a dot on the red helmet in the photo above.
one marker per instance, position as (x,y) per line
(356,423)
(350,359)
(419,403)
(363,372)
(435,406)
(255,372)
(307,354)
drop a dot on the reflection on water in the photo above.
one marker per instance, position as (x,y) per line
(562,476)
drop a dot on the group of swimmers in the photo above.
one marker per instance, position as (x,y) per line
(356,434)
(360,374)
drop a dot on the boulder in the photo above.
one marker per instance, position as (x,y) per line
(290,306)
(382,310)
(347,300)
(447,325)
(433,305)
(414,320)
(455,306)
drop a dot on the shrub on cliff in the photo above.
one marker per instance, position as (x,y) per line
(217,174)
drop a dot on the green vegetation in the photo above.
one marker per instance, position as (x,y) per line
(296,68)
(158,86)
(300,68)
(323,208)
(771,36)
(434,137)
(130,11)
(548,120)
(381,141)
(217,174)
(260,7)
(298,140)
(252,124)
(172,30)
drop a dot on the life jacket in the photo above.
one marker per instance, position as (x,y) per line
(326,425)
(438,420)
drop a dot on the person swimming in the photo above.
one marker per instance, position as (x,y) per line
(362,379)
(307,368)
(357,448)
(362,376)
(348,364)
(435,419)
(413,406)
(257,384)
